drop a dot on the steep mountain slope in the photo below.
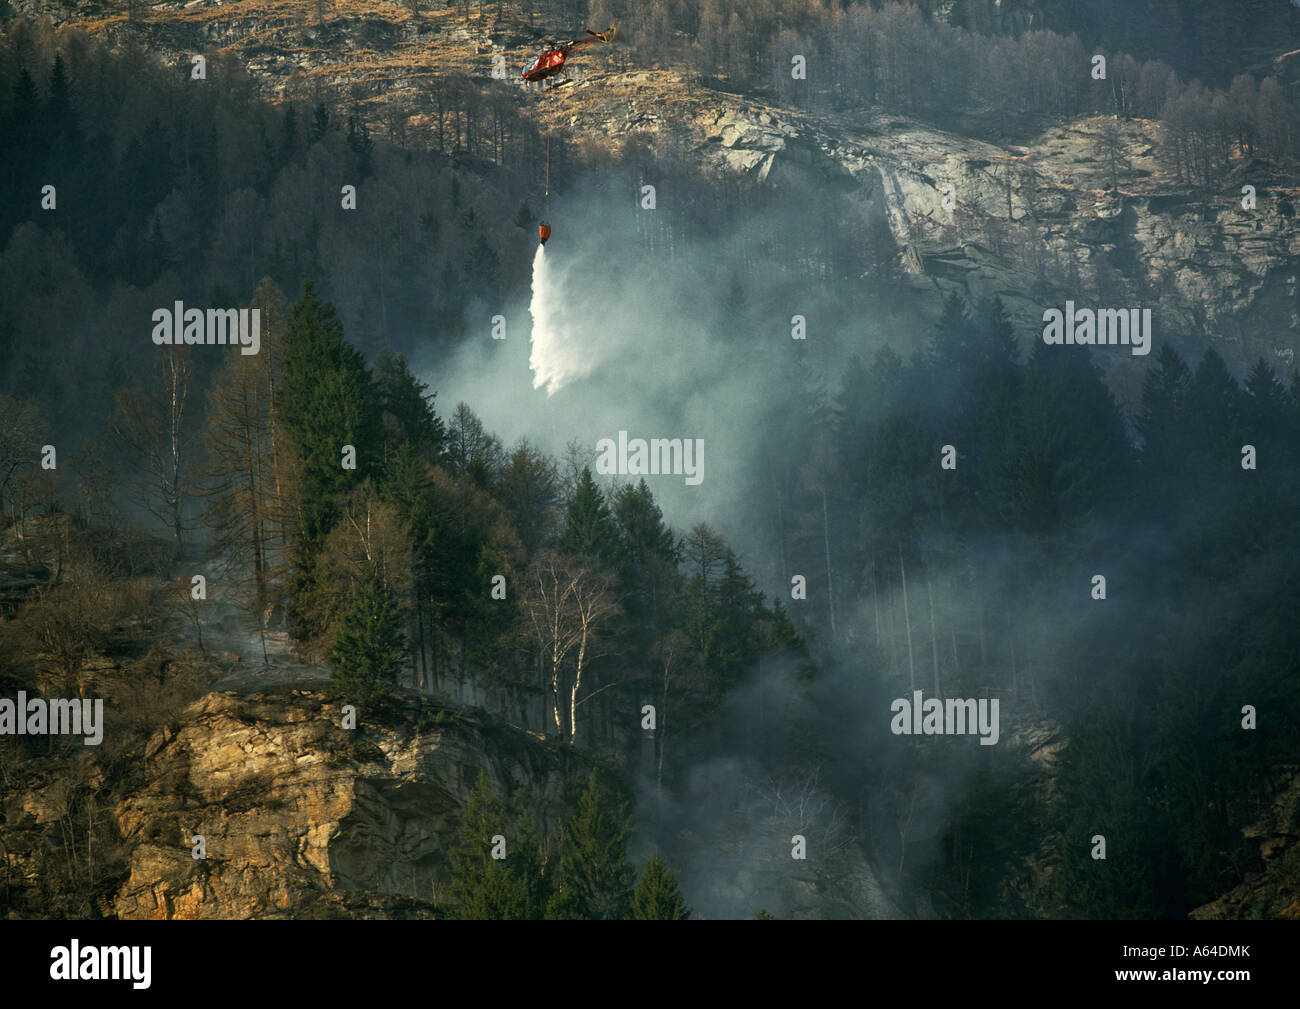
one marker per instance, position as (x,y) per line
(1038,223)
(322,823)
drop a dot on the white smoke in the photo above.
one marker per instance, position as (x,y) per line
(558,354)
(626,339)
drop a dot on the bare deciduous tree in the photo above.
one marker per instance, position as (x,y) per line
(154,424)
(22,433)
(567,603)
(245,486)
(797,802)
(1110,149)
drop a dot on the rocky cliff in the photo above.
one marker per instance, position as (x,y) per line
(1035,224)
(303,818)
(1273,892)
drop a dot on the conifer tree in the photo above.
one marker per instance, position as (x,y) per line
(949,356)
(369,651)
(648,550)
(589,529)
(1214,411)
(409,409)
(656,897)
(596,881)
(61,120)
(484,887)
(326,401)
(1161,421)
(1265,405)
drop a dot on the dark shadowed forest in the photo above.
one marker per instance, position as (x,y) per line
(439,565)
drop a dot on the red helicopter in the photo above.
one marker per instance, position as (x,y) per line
(551,62)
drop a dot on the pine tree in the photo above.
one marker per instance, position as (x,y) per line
(589,530)
(410,408)
(647,555)
(656,897)
(529,487)
(485,888)
(289,134)
(362,146)
(527,864)
(1160,417)
(61,120)
(1072,449)
(950,358)
(325,400)
(369,651)
(320,122)
(1265,406)
(563,905)
(596,881)
(22,150)
(1214,411)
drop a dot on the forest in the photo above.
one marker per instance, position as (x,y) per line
(343,507)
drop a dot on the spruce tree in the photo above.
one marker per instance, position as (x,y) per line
(949,357)
(1264,407)
(596,881)
(61,120)
(589,528)
(22,150)
(527,865)
(656,897)
(1161,424)
(369,651)
(325,400)
(410,416)
(644,538)
(485,888)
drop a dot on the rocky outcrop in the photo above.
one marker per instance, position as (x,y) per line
(1275,891)
(1039,225)
(302,818)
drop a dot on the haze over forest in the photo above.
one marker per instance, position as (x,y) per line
(817,245)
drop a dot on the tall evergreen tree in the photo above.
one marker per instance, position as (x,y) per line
(326,401)
(22,150)
(411,417)
(60,117)
(951,357)
(1265,408)
(289,134)
(1160,421)
(656,897)
(589,529)
(1214,408)
(596,881)
(369,651)
(484,888)
(647,554)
